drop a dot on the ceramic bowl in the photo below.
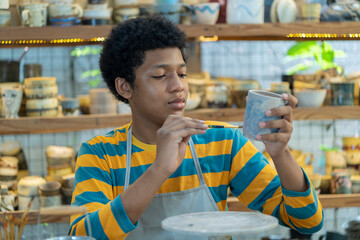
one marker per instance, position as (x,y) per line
(207,13)
(193,101)
(310,98)
(217,94)
(70,106)
(95,13)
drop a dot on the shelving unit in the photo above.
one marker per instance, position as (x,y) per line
(29,125)
(85,35)
(327,201)
(80,35)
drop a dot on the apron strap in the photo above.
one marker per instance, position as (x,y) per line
(128,159)
(196,162)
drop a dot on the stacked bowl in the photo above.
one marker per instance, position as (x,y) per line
(97,13)
(41,96)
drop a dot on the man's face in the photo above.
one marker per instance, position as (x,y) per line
(160,86)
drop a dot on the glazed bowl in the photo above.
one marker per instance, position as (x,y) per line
(310,98)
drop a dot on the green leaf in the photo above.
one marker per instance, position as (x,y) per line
(301,48)
(91,73)
(299,67)
(327,52)
(94,82)
(339,53)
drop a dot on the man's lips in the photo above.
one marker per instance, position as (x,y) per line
(177,100)
(177,103)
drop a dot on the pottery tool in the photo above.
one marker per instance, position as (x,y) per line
(24,218)
(21,227)
(4,226)
(220,126)
(12,221)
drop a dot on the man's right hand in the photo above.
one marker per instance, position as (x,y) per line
(172,139)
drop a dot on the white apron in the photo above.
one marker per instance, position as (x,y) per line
(165,205)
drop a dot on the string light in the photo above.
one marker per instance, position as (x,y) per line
(52,42)
(322,35)
(208,39)
(201,38)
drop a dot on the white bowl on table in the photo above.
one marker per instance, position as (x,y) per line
(310,98)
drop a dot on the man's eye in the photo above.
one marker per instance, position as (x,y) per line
(182,75)
(158,77)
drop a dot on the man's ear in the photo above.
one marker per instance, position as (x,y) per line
(123,88)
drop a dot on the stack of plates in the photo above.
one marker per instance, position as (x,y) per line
(41,95)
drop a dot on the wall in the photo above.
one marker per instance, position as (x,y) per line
(260,60)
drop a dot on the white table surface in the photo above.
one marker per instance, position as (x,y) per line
(221,223)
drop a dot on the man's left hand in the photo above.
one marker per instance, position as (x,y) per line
(276,143)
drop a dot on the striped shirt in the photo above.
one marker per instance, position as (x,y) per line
(227,159)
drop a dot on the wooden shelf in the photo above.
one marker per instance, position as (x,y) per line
(29,125)
(82,34)
(33,217)
(327,201)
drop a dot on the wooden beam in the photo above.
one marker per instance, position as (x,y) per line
(29,125)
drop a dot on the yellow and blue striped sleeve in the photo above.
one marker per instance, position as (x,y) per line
(93,189)
(256,184)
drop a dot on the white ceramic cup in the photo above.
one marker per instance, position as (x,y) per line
(65,10)
(11,100)
(34,15)
(207,13)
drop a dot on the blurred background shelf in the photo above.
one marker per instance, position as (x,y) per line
(29,125)
(81,35)
(327,201)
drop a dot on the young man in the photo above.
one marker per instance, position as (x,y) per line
(163,164)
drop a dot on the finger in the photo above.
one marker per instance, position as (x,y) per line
(282,124)
(175,122)
(274,137)
(186,133)
(290,100)
(284,112)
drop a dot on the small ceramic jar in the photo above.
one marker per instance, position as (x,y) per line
(340,181)
(217,94)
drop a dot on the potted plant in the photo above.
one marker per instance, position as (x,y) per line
(312,56)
